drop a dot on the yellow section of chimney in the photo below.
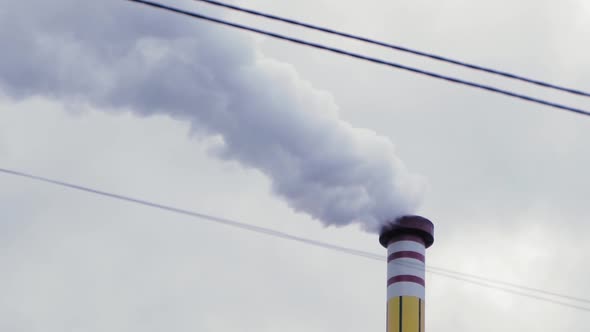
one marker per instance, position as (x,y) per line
(405,314)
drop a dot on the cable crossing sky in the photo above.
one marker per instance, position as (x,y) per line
(397,47)
(464,277)
(367,58)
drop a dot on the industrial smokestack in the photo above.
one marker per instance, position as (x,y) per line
(406,240)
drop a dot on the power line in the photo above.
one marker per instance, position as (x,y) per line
(366,58)
(509,284)
(503,286)
(507,287)
(512,291)
(396,47)
(468,278)
(224,221)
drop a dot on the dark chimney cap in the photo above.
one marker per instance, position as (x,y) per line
(408,225)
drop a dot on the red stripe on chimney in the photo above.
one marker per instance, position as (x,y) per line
(406,254)
(405,278)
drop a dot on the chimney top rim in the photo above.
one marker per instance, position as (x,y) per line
(409,224)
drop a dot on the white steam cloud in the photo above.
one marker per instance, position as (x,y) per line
(120,56)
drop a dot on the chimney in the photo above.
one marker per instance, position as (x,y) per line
(406,240)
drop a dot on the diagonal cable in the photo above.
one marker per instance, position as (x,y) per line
(397,47)
(468,278)
(366,58)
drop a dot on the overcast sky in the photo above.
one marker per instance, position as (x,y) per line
(82,101)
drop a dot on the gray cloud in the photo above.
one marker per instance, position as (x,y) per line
(508,191)
(266,116)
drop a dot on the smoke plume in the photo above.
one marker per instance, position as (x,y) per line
(119,56)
